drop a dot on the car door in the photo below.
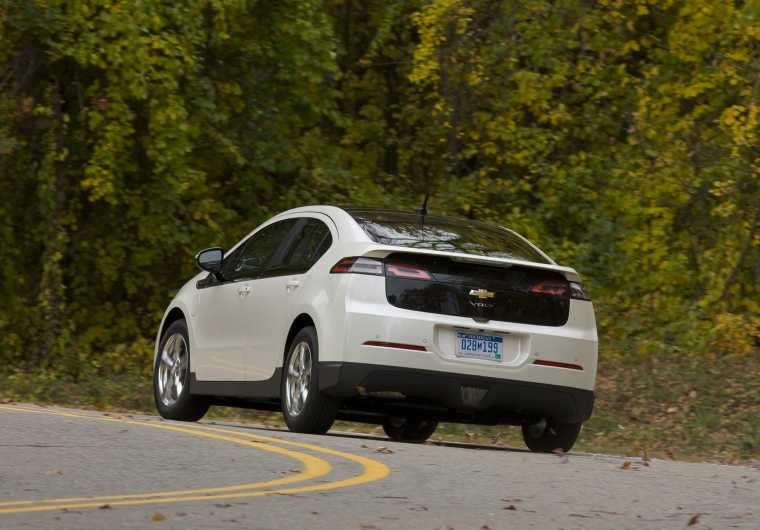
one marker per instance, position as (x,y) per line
(275,295)
(222,325)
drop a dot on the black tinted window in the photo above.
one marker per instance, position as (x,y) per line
(308,245)
(257,254)
(444,233)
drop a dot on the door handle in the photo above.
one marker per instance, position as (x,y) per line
(244,290)
(292,284)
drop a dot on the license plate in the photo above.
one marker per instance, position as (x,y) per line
(479,346)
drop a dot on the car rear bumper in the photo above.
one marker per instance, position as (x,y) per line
(459,393)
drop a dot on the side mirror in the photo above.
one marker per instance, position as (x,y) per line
(210,260)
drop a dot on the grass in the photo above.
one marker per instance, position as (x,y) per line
(685,408)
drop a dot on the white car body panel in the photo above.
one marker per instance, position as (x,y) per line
(267,324)
(365,316)
(220,333)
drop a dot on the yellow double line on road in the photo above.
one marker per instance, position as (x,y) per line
(313,467)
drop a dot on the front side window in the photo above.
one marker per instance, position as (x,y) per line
(259,251)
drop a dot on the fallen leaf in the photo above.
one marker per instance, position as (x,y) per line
(510,507)
(222,505)
(383,450)
(105,507)
(158,517)
(646,459)
(626,465)
(495,437)
(694,519)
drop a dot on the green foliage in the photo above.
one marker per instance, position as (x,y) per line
(620,136)
(623,137)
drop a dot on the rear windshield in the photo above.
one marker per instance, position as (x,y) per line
(411,230)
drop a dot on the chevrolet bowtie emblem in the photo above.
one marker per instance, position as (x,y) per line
(482,293)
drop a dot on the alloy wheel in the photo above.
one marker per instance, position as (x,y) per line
(172,369)
(298,378)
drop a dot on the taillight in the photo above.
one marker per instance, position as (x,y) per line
(557,288)
(554,288)
(406,270)
(358,266)
(579,292)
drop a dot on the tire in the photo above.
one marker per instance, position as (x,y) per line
(409,430)
(304,408)
(171,377)
(547,436)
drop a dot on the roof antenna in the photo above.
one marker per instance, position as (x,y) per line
(423,211)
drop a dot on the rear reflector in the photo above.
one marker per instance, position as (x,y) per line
(358,266)
(397,345)
(559,365)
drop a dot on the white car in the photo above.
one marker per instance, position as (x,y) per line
(397,318)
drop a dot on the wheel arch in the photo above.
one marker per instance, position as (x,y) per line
(303,320)
(175,314)
(171,317)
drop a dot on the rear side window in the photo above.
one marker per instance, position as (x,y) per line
(308,245)
(446,234)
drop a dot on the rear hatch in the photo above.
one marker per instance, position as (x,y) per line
(429,276)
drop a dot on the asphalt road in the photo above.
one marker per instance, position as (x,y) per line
(64,468)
